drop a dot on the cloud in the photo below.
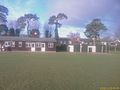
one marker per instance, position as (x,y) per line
(66,30)
(84,10)
(18,8)
(79,12)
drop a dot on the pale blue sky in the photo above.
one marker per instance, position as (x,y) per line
(79,12)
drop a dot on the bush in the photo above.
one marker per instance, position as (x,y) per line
(61,48)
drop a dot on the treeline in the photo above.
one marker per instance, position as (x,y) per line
(29,24)
(5,31)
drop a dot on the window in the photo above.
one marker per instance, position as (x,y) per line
(12,43)
(50,45)
(7,43)
(19,44)
(28,44)
(33,45)
(38,44)
(42,45)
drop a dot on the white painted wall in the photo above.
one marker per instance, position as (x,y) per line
(80,47)
(71,48)
(32,47)
(92,47)
(43,47)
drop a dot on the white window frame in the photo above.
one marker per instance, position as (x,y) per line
(19,44)
(38,44)
(12,43)
(7,43)
(28,44)
(50,45)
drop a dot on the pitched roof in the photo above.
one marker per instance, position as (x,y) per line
(11,38)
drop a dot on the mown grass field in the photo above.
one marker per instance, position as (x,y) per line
(58,71)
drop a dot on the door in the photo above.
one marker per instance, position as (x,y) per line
(42,47)
(71,48)
(76,48)
(33,47)
(90,49)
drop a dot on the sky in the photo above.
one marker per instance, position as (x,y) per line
(79,12)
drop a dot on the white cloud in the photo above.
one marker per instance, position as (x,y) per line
(66,30)
(84,10)
(18,8)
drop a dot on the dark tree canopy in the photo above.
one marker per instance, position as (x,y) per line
(34,33)
(54,20)
(3,28)
(47,30)
(17,32)
(3,14)
(26,19)
(94,28)
(12,32)
(31,16)
(21,22)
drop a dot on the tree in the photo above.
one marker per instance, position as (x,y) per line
(54,20)
(75,37)
(47,31)
(3,19)
(12,32)
(17,32)
(117,33)
(20,24)
(3,14)
(34,33)
(94,29)
(3,29)
(28,19)
(25,20)
(48,34)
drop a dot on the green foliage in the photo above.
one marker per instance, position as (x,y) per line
(3,9)
(31,16)
(3,28)
(26,19)
(21,22)
(94,28)
(12,32)
(61,48)
(61,16)
(35,33)
(54,20)
(47,30)
(48,34)
(3,14)
(17,32)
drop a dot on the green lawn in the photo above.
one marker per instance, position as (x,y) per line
(59,71)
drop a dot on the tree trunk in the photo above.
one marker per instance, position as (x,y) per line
(28,32)
(56,31)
